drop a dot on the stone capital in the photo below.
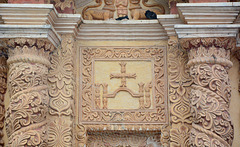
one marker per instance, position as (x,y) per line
(29,50)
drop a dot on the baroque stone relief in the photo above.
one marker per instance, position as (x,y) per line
(157,114)
(26,116)
(96,110)
(61,105)
(179,91)
(211,90)
(110,9)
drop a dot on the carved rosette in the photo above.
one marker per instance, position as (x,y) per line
(3,88)
(26,116)
(209,60)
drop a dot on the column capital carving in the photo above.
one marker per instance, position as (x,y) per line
(227,43)
(29,50)
(209,50)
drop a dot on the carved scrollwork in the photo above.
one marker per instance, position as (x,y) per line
(89,115)
(61,80)
(27,112)
(211,90)
(179,90)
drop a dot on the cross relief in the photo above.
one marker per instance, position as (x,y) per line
(123,76)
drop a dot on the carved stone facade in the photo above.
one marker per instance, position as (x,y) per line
(26,116)
(96,106)
(209,60)
(136,89)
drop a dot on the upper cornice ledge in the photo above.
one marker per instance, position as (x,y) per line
(37,17)
(209,13)
(202,31)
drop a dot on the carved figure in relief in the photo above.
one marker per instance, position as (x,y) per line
(95,14)
(137,12)
(122,7)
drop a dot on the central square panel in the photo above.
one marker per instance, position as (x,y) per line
(123,86)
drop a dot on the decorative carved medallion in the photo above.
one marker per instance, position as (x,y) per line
(135,95)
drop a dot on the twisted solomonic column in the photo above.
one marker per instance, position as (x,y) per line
(209,60)
(26,116)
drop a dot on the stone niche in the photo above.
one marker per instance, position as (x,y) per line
(123,93)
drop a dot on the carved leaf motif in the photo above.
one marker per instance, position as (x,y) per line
(179,83)
(60,134)
(61,80)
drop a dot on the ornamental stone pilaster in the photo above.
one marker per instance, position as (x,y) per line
(26,117)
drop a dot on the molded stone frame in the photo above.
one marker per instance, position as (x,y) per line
(104,118)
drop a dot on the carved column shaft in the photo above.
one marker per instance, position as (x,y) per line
(3,88)
(26,116)
(209,60)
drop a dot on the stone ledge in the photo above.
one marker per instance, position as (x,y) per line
(201,31)
(39,14)
(209,13)
(30,31)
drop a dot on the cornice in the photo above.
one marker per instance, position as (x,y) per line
(202,31)
(168,22)
(38,17)
(209,13)
(30,31)
(121,30)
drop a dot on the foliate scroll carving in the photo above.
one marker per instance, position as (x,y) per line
(61,80)
(156,115)
(27,112)
(3,88)
(179,91)
(211,90)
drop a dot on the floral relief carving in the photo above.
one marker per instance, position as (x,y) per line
(211,91)
(179,83)
(61,80)
(27,112)
(3,88)
(89,115)
(59,134)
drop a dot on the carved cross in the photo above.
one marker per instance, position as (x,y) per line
(123,75)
